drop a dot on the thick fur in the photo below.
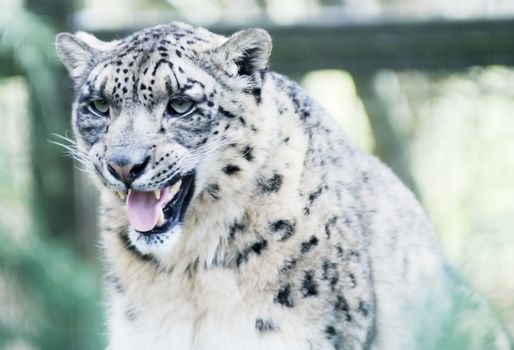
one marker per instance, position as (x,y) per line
(293,240)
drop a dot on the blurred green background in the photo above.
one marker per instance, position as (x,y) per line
(426,85)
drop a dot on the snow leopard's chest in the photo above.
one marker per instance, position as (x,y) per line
(216,315)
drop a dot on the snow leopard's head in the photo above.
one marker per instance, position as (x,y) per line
(160,115)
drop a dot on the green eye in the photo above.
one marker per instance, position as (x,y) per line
(99,107)
(179,106)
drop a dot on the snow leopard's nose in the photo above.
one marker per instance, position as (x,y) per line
(126,169)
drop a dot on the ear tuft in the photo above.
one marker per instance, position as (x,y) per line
(249,50)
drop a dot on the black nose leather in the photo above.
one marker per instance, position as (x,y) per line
(126,170)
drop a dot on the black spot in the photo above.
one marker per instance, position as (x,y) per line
(330,331)
(210,103)
(308,245)
(226,113)
(131,313)
(179,54)
(334,338)
(256,247)
(143,86)
(264,326)
(285,228)
(353,281)
(236,226)
(270,185)
(124,90)
(355,255)
(241,119)
(340,252)
(288,265)
(241,257)
(314,195)
(341,305)
(330,273)
(116,283)
(231,169)
(257,93)
(309,286)
(259,246)
(284,297)
(363,308)
(247,153)
(331,222)
(213,191)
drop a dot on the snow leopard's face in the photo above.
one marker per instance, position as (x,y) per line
(154,111)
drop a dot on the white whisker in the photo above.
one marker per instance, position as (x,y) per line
(74,151)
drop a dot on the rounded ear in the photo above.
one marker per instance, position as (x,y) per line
(79,52)
(249,50)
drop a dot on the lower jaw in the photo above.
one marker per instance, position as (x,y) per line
(154,247)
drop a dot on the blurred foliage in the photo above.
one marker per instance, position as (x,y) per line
(47,307)
(26,49)
(43,305)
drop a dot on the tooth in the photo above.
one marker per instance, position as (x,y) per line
(157,194)
(121,195)
(175,188)
(160,218)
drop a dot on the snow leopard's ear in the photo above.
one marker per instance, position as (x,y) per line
(246,51)
(79,53)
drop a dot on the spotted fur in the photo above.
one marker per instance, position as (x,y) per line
(293,240)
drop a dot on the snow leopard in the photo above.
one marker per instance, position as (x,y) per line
(235,214)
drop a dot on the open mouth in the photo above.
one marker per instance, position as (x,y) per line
(159,211)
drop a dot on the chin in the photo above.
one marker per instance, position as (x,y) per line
(157,245)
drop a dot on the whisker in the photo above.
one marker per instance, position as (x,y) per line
(73,150)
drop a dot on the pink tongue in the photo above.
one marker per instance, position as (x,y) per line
(143,209)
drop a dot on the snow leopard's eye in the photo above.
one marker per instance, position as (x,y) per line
(178,106)
(99,108)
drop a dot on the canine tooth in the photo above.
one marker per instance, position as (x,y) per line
(160,219)
(175,188)
(157,194)
(121,195)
